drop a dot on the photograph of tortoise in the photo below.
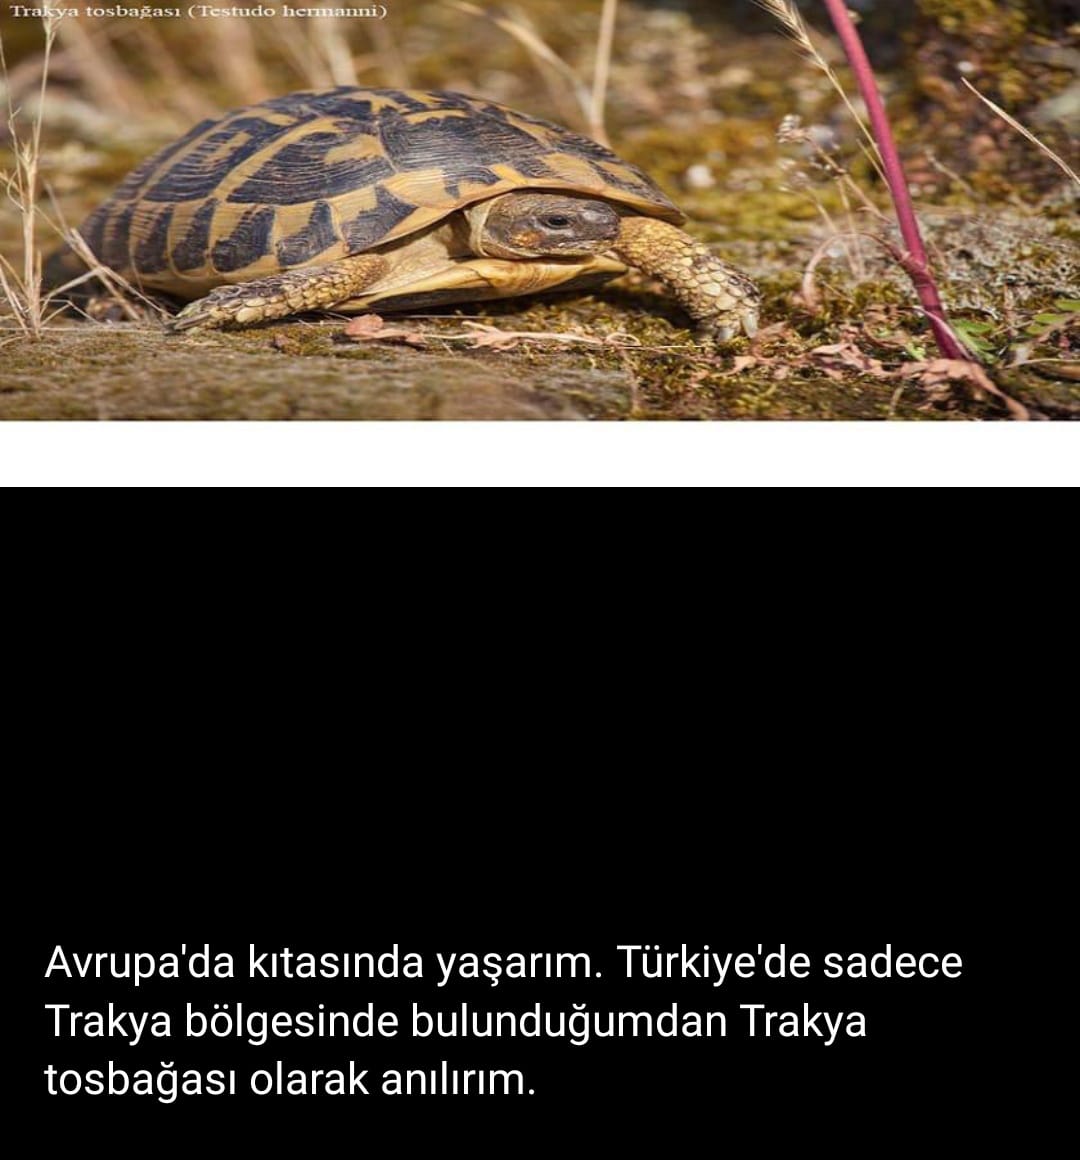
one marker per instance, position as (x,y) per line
(357,199)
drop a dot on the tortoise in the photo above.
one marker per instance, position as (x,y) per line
(350,198)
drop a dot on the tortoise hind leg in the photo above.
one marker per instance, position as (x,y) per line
(293,292)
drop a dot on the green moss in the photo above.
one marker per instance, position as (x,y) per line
(1003,23)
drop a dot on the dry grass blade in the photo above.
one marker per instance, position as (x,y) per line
(332,44)
(790,19)
(98,63)
(480,335)
(486,335)
(183,95)
(120,289)
(9,287)
(540,51)
(1015,124)
(299,51)
(234,41)
(23,291)
(388,53)
(602,72)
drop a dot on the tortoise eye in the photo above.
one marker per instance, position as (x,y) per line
(556,221)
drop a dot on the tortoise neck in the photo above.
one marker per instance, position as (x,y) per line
(479,244)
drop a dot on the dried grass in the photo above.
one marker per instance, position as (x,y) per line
(791,21)
(1013,123)
(602,71)
(22,289)
(591,104)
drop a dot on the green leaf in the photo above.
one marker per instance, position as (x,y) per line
(971,334)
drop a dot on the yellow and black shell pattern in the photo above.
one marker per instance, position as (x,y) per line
(312,177)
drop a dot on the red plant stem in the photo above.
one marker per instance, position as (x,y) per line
(916,264)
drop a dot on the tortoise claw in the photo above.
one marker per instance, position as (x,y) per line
(188,318)
(731,327)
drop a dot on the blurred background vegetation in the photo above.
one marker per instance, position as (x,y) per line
(677,65)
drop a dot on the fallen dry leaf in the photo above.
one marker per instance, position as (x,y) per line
(936,376)
(366,326)
(939,370)
(372,328)
(840,355)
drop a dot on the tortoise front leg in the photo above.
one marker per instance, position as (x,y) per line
(293,292)
(721,300)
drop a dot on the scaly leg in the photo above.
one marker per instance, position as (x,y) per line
(721,300)
(293,292)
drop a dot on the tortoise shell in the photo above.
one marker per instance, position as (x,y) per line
(312,177)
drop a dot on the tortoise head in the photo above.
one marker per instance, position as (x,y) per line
(542,225)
